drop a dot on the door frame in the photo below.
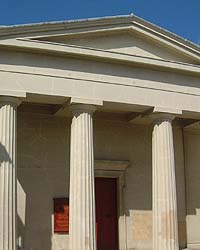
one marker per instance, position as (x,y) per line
(116,169)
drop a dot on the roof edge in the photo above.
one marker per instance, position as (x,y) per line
(88,22)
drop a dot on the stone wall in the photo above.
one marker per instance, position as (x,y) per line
(43,174)
(192,160)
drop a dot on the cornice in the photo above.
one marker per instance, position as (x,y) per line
(63,25)
(47,28)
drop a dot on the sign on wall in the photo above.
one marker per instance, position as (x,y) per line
(61,215)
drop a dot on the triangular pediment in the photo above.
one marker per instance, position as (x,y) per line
(124,42)
(128,36)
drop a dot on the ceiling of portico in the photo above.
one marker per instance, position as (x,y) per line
(114,112)
(59,106)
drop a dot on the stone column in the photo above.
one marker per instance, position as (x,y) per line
(8,107)
(165,223)
(82,197)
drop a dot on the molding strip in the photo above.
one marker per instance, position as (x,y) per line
(111,165)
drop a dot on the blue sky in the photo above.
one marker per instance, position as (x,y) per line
(179,16)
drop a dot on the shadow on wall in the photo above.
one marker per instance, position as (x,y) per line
(192,158)
(34,214)
(192,170)
(28,201)
(21,233)
(4,156)
(43,172)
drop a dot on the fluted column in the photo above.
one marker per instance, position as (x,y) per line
(82,197)
(8,106)
(165,223)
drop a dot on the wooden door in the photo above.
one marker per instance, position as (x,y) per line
(106,213)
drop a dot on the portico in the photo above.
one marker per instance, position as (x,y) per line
(82,199)
(89,102)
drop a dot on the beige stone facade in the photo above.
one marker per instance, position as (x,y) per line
(112,97)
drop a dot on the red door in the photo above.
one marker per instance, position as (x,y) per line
(106,213)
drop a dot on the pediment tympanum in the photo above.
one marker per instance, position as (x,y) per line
(125,42)
(111,37)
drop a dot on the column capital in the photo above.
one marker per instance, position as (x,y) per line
(14,101)
(77,109)
(160,117)
(89,101)
(160,114)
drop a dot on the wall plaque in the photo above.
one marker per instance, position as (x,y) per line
(61,215)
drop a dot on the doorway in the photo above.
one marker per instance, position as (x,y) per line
(106,213)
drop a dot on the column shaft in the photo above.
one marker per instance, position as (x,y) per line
(82,198)
(165,224)
(8,108)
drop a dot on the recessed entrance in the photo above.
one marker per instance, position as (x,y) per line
(106,213)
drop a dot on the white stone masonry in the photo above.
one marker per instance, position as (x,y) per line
(165,223)
(82,197)
(8,107)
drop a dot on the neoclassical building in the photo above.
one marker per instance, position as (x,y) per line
(99,136)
